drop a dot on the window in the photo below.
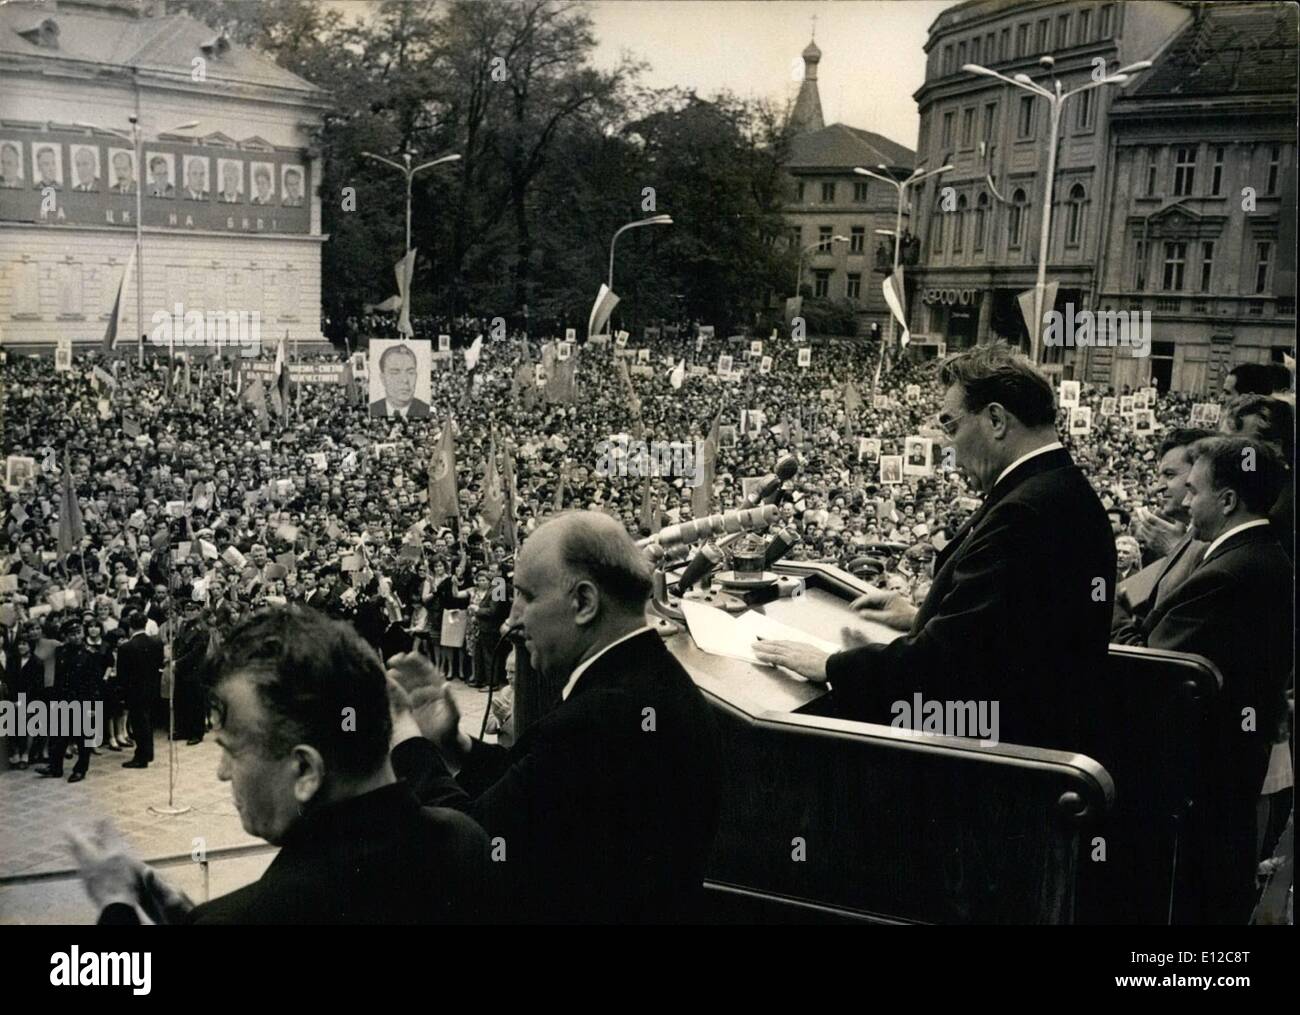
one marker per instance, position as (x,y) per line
(828,192)
(975,50)
(799,192)
(961,54)
(1063,31)
(1184,170)
(968,127)
(1022,40)
(947,59)
(991,48)
(854,288)
(959,224)
(1153,166)
(990,123)
(936,226)
(824,239)
(946,137)
(981,213)
(1004,44)
(1207,264)
(1175,261)
(1025,125)
(821,282)
(1169,305)
(1085,25)
(860,191)
(1216,171)
(1286,307)
(857,239)
(1014,216)
(1107,20)
(1074,222)
(1255,308)
(1083,104)
(1040,38)
(796,237)
(1140,266)
(1263,254)
(1274,157)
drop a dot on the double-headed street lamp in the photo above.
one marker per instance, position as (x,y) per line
(825,246)
(654,220)
(919,174)
(136,137)
(1056,98)
(409,172)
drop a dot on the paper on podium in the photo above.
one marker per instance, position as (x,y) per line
(719,633)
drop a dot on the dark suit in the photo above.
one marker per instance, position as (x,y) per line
(601,820)
(139,668)
(78,677)
(378,858)
(1234,609)
(416,410)
(1011,615)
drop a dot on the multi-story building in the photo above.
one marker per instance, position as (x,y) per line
(979,223)
(827,199)
(230,210)
(1199,228)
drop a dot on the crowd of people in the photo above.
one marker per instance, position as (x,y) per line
(195,507)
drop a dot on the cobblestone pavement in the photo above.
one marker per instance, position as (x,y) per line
(34,813)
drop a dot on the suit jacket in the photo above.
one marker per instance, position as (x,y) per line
(378,858)
(1152,586)
(416,410)
(78,674)
(1235,609)
(601,820)
(139,667)
(1018,612)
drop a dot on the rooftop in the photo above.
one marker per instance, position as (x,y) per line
(840,146)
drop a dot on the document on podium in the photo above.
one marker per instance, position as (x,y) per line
(719,633)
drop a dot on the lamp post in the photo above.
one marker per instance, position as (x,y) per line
(1056,98)
(136,137)
(654,220)
(798,277)
(409,172)
(919,174)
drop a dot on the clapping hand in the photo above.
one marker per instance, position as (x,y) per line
(111,875)
(418,692)
(1156,534)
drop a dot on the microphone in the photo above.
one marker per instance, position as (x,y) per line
(705,560)
(739,520)
(786,468)
(783,541)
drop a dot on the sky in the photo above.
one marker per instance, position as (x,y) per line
(872,55)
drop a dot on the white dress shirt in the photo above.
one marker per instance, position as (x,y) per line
(1054,446)
(582,667)
(1231,532)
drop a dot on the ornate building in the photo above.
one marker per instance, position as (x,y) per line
(231,217)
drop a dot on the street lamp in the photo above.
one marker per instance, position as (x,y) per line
(1056,98)
(919,174)
(654,220)
(798,278)
(409,172)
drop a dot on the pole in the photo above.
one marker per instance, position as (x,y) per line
(171,808)
(889,339)
(1054,104)
(613,240)
(139,231)
(409,176)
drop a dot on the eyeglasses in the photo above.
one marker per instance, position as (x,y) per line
(948,424)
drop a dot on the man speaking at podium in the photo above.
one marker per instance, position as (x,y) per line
(1020,605)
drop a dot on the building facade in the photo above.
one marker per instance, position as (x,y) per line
(1199,228)
(230,210)
(979,224)
(827,199)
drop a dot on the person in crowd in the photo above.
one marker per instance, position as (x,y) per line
(139,667)
(78,678)
(604,822)
(355,846)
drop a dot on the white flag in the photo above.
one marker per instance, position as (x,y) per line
(892,287)
(678,375)
(605,303)
(473,352)
(405,269)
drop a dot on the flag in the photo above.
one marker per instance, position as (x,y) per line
(110,333)
(852,400)
(130,427)
(678,375)
(605,303)
(702,494)
(473,353)
(444,501)
(71,529)
(349,383)
(405,269)
(560,482)
(509,523)
(254,394)
(282,378)
(493,505)
(892,287)
(647,506)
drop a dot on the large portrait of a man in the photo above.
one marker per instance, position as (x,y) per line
(47,166)
(85,169)
(196,178)
(231,175)
(160,166)
(291,186)
(400,378)
(11,164)
(122,164)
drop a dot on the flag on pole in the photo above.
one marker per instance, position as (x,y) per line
(852,400)
(647,507)
(509,518)
(892,287)
(110,333)
(494,501)
(678,375)
(254,394)
(282,378)
(71,529)
(405,269)
(702,494)
(605,303)
(473,353)
(444,501)
(560,482)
